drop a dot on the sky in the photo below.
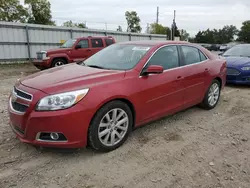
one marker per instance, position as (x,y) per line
(191,15)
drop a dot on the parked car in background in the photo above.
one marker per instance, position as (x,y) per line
(72,50)
(225,47)
(214,47)
(238,64)
(207,46)
(99,101)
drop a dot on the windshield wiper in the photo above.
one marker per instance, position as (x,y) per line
(95,66)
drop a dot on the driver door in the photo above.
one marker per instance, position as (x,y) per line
(161,94)
(83,52)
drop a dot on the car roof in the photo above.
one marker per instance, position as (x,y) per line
(154,42)
(94,37)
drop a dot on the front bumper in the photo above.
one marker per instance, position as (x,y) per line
(73,123)
(42,63)
(242,78)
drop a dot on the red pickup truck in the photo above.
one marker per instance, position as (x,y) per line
(72,50)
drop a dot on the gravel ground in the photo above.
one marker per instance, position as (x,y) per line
(194,148)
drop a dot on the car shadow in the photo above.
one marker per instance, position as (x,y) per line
(238,86)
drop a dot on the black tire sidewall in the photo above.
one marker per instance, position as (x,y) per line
(56,60)
(93,129)
(205,101)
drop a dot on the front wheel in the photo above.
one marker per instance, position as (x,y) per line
(111,126)
(58,62)
(212,96)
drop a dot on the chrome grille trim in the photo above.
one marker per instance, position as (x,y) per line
(19,94)
(22,97)
(13,110)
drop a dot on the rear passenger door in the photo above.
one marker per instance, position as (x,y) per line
(194,66)
(96,45)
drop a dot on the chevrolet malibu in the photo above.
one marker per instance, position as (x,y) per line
(98,102)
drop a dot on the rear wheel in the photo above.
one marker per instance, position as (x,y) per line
(212,96)
(111,126)
(58,62)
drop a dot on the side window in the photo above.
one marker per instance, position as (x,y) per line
(84,43)
(167,57)
(96,43)
(191,55)
(108,42)
(202,56)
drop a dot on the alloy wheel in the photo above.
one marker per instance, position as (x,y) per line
(113,127)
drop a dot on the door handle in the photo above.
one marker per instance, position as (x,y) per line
(88,50)
(206,70)
(179,78)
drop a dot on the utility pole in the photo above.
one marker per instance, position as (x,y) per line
(157,15)
(173,27)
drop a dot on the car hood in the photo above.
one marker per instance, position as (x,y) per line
(69,78)
(57,50)
(237,61)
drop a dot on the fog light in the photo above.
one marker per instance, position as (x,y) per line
(54,136)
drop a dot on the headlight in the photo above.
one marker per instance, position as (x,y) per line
(245,68)
(61,101)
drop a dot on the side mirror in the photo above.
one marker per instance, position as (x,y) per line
(153,69)
(78,46)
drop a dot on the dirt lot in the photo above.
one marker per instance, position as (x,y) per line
(194,148)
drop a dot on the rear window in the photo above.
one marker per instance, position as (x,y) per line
(96,43)
(109,42)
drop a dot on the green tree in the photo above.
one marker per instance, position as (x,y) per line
(184,35)
(12,11)
(221,36)
(226,34)
(71,24)
(159,29)
(176,32)
(40,12)
(244,33)
(133,21)
(119,28)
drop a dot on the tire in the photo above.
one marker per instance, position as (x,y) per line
(103,142)
(209,103)
(58,62)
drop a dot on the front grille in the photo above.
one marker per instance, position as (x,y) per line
(20,100)
(22,94)
(40,55)
(19,107)
(232,71)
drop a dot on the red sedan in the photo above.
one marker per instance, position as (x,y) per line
(99,101)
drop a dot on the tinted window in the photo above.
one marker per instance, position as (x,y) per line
(84,43)
(191,55)
(202,56)
(109,42)
(96,43)
(167,57)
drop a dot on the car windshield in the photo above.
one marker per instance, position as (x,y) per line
(240,51)
(117,57)
(69,43)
